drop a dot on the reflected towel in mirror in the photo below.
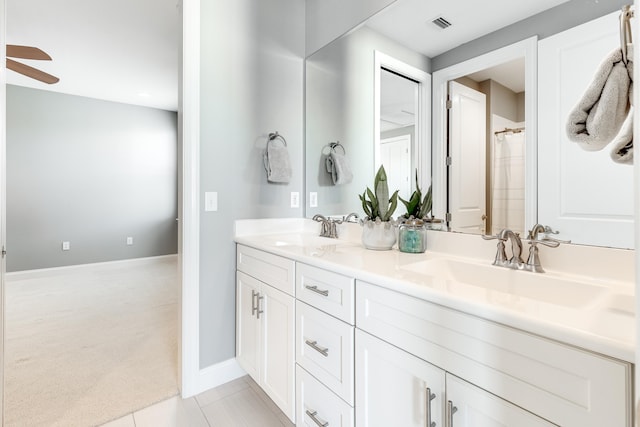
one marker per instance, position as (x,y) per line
(339,168)
(598,116)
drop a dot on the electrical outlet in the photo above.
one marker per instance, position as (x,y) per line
(66,246)
(129,241)
(295,199)
(313,199)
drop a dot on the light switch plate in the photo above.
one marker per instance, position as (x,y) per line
(295,199)
(313,199)
(66,246)
(211,201)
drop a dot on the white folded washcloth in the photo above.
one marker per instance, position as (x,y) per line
(339,168)
(597,118)
(623,143)
(277,163)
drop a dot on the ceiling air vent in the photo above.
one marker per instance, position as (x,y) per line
(441,22)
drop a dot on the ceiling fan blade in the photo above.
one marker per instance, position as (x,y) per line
(31,72)
(27,52)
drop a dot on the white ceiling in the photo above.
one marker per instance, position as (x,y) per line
(128,50)
(510,74)
(470,19)
(117,50)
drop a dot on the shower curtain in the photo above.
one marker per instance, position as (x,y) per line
(507,192)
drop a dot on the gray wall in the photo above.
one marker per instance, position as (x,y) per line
(252,54)
(326,20)
(89,172)
(545,24)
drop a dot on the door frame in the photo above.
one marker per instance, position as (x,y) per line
(189,222)
(3,189)
(527,48)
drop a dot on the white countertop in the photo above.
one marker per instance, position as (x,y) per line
(604,324)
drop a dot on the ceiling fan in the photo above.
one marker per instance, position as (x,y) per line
(29,52)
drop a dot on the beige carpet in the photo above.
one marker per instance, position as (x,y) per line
(88,345)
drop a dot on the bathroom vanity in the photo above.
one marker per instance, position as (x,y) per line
(338,335)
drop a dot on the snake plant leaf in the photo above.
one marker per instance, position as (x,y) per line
(426,204)
(382,193)
(374,203)
(392,207)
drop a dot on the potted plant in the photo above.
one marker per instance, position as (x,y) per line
(378,226)
(417,206)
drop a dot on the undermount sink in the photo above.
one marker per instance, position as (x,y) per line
(536,286)
(302,240)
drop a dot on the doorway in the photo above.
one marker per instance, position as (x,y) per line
(188,181)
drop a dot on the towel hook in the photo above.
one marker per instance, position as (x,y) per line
(334,145)
(276,135)
(626,36)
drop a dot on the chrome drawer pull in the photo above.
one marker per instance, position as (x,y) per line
(430,397)
(258,310)
(254,307)
(312,415)
(450,411)
(314,345)
(315,289)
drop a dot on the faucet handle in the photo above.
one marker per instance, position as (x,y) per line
(551,242)
(492,237)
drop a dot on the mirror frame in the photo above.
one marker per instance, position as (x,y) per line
(528,49)
(421,155)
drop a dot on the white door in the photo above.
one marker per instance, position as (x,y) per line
(395,154)
(582,194)
(391,386)
(278,348)
(247,325)
(470,406)
(467,151)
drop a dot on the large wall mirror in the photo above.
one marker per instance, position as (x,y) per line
(492,63)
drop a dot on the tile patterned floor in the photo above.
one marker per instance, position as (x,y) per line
(239,403)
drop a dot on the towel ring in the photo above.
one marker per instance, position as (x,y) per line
(626,36)
(334,145)
(276,135)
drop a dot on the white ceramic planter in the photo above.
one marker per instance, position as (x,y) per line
(379,236)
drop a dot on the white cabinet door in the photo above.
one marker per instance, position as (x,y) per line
(278,351)
(391,386)
(470,406)
(247,326)
(265,339)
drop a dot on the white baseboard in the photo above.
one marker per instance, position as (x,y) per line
(215,375)
(44,272)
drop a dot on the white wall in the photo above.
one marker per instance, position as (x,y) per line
(252,54)
(327,20)
(90,172)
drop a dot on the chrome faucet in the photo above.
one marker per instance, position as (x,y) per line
(350,216)
(515,262)
(327,226)
(533,262)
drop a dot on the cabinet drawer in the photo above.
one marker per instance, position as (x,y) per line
(324,347)
(327,291)
(317,405)
(271,269)
(563,384)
